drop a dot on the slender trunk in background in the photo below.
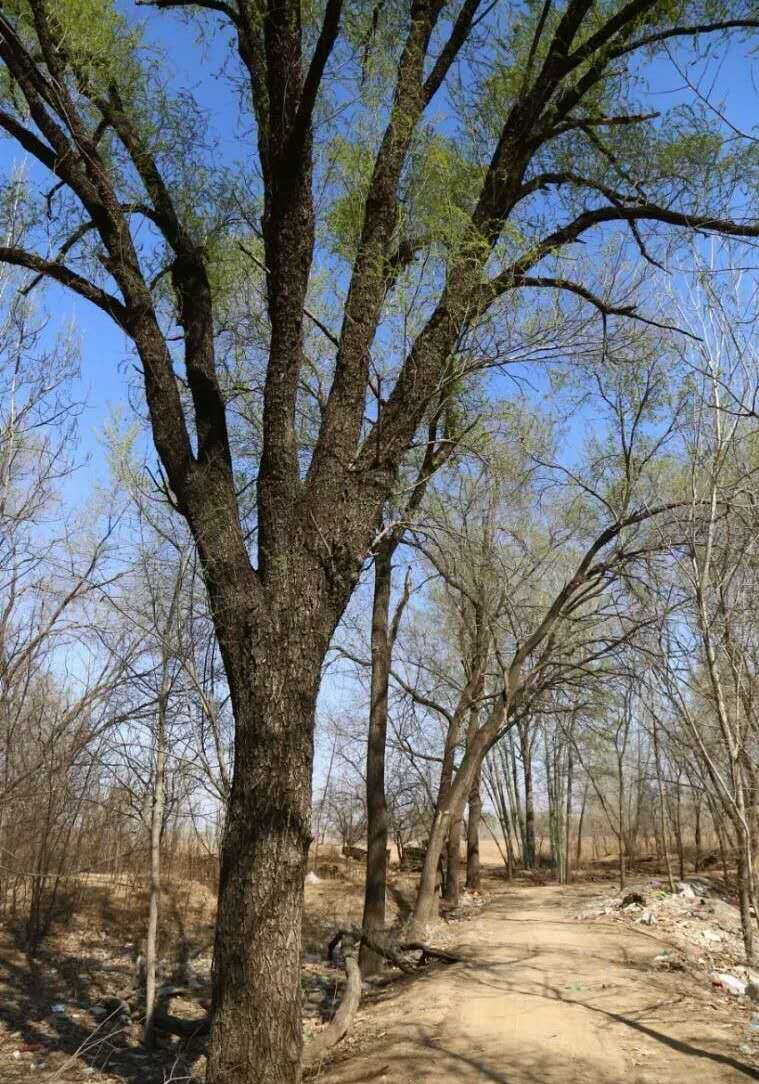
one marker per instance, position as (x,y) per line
(512,787)
(156,825)
(679,830)
(621,834)
(697,835)
(578,852)
(529,804)
(376,803)
(473,834)
(568,818)
(553,806)
(495,773)
(662,807)
(744,897)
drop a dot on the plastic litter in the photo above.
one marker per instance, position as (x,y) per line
(729,983)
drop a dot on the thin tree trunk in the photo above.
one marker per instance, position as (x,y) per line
(529,802)
(679,831)
(621,836)
(744,896)
(578,852)
(376,803)
(662,808)
(568,818)
(156,824)
(473,834)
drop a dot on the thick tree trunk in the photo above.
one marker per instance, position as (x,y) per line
(256,1035)
(376,805)
(473,835)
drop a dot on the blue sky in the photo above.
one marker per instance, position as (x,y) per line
(105,353)
(104,349)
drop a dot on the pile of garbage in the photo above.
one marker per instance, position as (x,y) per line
(703,927)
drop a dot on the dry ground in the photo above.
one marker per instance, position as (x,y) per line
(539,999)
(544,999)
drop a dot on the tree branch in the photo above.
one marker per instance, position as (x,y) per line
(66,277)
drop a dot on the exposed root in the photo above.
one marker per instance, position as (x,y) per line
(322,1043)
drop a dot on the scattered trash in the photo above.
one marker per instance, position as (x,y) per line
(57,1008)
(648,918)
(312,879)
(729,983)
(631,898)
(754,1025)
(685,889)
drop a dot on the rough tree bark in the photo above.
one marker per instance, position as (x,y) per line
(264,852)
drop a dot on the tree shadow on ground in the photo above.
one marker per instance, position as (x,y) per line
(75,1038)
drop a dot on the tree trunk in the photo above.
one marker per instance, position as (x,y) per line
(376,804)
(256,1032)
(473,835)
(529,801)
(156,824)
(447,809)
(424,908)
(453,861)
(578,852)
(662,807)
(566,872)
(744,895)
(621,838)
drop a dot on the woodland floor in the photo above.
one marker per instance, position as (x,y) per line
(539,998)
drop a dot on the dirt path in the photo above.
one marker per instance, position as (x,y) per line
(544,999)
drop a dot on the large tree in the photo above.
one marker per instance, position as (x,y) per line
(428,159)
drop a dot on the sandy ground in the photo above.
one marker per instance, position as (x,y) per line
(544,999)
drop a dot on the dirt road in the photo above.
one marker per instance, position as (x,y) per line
(544,999)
